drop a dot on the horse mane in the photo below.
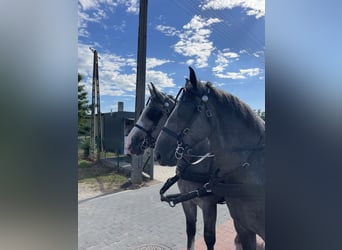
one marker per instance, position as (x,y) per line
(233,105)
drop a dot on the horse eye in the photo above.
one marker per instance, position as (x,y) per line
(154,115)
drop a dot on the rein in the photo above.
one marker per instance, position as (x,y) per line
(215,185)
(174,199)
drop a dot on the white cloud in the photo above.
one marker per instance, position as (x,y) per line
(193,39)
(132,6)
(120,27)
(250,72)
(167,30)
(96,11)
(88,4)
(83,32)
(159,78)
(242,74)
(96,4)
(223,59)
(253,7)
(154,62)
(231,75)
(258,54)
(117,74)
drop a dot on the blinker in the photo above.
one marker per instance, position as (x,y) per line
(205,98)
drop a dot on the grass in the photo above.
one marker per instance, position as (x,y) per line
(109,180)
(99,177)
(84,164)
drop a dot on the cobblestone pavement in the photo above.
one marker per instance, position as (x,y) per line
(133,218)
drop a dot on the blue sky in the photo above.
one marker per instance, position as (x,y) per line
(223,40)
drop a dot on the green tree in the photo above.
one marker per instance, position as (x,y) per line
(262,114)
(83,109)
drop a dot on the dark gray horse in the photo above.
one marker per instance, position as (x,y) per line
(193,177)
(237,139)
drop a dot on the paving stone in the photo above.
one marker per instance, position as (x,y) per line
(129,219)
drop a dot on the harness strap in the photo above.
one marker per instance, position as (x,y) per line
(240,191)
(248,148)
(168,184)
(142,128)
(170,132)
(148,141)
(174,199)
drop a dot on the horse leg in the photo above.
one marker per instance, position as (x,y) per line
(209,219)
(245,237)
(190,211)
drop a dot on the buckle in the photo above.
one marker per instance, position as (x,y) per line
(179,152)
(245,164)
(206,187)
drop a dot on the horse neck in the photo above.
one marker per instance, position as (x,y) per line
(229,135)
(202,147)
(226,159)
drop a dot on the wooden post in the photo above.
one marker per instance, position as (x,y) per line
(137,161)
(96,124)
(98,109)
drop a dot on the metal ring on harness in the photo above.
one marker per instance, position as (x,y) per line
(186,131)
(144,145)
(179,151)
(171,203)
(206,187)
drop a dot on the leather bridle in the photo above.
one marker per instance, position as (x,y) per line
(201,106)
(149,140)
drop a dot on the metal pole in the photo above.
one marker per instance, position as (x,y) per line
(137,161)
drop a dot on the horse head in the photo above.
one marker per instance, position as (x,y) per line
(189,123)
(150,122)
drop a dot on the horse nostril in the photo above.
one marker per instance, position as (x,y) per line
(157,156)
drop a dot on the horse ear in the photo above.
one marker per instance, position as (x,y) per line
(155,93)
(150,88)
(187,83)
(193,79)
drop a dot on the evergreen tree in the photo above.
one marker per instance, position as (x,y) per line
(83,109)
(262,114)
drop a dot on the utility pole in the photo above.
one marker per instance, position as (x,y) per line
(92,123)
(137,161)
(96,124)
(98,109)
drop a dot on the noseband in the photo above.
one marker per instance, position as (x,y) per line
(149,140)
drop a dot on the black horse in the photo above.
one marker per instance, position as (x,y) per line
(237,139)
(191,177)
